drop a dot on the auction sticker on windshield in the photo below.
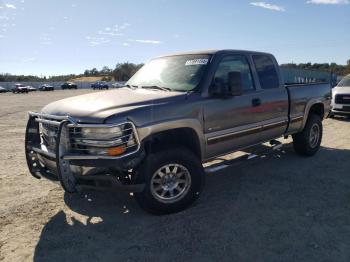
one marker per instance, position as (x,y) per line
(203,61)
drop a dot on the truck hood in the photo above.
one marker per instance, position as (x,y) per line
(342,90)
(96,107)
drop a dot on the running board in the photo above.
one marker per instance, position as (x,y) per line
(275,145)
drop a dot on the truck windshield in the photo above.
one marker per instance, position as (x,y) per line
(176,73)
(345,81)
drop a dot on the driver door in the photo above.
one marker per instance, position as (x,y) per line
(230,122)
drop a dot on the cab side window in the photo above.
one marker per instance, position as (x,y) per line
(267,72)
(233,64)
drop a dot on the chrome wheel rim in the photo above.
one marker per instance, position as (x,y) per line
(314,135)
(170,183)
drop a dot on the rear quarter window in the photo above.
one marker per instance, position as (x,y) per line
(267,73)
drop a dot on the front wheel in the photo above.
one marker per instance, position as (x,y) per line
(173,180)
(308,142)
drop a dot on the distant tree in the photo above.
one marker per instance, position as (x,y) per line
(123,71)
(94,72)
(106,71)
(347,69)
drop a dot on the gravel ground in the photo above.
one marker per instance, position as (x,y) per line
(276,207)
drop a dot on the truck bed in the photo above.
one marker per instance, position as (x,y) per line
(301,97)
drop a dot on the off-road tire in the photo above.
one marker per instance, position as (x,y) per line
(152,163)
(302,141)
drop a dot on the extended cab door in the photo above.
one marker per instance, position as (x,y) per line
(258,115)
(230,122)
(273,97)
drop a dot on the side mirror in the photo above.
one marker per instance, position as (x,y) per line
(235,83)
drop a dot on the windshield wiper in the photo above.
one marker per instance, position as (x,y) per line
(157,87)
(131,86)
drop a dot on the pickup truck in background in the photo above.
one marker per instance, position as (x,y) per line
(100,85)
(46,87)
(69,85)
(341,98)
(177,112)
(20,88)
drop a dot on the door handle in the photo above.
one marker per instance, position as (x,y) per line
(256,102)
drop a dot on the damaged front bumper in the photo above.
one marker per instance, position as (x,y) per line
(76,171)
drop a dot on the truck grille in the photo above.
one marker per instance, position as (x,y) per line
(342,99)
(80,145)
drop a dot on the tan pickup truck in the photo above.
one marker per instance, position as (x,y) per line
(177,112)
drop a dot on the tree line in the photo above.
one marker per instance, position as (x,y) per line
(123,71)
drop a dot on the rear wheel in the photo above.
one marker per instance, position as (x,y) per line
(173,180)
(308,142)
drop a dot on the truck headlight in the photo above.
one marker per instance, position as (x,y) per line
(104,140)
(104,133)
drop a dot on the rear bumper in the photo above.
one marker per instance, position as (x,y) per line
(75,172)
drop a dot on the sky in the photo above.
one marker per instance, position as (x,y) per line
(53,37)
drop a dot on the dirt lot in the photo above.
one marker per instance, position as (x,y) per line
(277,207)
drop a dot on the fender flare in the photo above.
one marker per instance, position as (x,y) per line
(308,106)
(151,129)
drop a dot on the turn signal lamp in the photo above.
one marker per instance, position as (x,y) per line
(116,151)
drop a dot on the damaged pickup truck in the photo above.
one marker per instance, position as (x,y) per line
(152,136)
